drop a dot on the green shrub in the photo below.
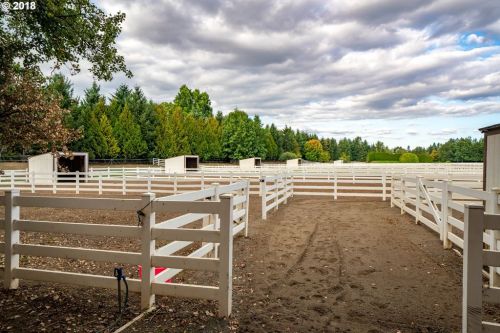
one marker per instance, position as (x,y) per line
(288,155)
(424,158)
(324,156)
(408,158)
(376,156)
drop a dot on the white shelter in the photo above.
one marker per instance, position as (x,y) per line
(43,166)
(293,163)
(250,163)
(181,164)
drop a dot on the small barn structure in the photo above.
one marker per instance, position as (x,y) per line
(43,166)
(293,163)
(181,164)
(491,161)
(250,163)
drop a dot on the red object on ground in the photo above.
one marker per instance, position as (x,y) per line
(158,270)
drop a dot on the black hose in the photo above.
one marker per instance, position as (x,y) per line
(118,273)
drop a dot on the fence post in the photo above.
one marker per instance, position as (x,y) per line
(392,191)
(493,207)
(77,189)
(384,187)
(446,211)
(100,183)
(12,213)
(403,193)
(175,183)
(124,184)
(472,269)
(285,186)
(247,206)
(149,180)
(418,184)
(263,191)
(335,185)
(148,250)
(12,179)
(54,182)
(32,181)
(276,192)
(226,255)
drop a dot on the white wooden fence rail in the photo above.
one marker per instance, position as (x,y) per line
(275,190)
(440,205)
(336,183)
(223,209)
(475,257)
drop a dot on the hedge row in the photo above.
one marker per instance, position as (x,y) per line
(376,156)
(390,157)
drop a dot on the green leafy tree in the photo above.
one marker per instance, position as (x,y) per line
(194,102)
(63,32)
(313,150)
(58,85)
(408,158)
(272,152)
(172,135)
(290,142)
(109,140)
(239,136)
(128,133)
(287,155)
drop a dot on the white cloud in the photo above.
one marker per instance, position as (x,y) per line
(316,62)
(475,39)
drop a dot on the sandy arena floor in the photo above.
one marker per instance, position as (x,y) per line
(316,265)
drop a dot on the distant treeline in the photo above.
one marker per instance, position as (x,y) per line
(129,125)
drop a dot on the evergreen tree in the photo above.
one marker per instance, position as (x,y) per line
(239,136)
(172,136)
(194,102)
(128,133)
(290,142)
(272,152)
(110,142)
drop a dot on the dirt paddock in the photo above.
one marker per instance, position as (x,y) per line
(316,265)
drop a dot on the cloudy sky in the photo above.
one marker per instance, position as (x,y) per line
(405,72)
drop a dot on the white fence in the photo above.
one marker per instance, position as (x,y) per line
(439,205)
(337,183)
(475,257)
(223,209)
(121,181)
(275,190)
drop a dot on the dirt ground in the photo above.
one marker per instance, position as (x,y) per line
(316,265)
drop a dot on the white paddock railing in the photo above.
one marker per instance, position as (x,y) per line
(275,190)
(216,206)
(336,183)
(475,258)
(126,183)
(341,185)
(439,205)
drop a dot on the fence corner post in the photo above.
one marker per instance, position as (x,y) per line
(384,187)
(226,255)
(492,206)
(403,194)
(392,191)
(148,250)
(418,202)
(247,206)
(12,213)
(446,195)
(263,191)
(472,269)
